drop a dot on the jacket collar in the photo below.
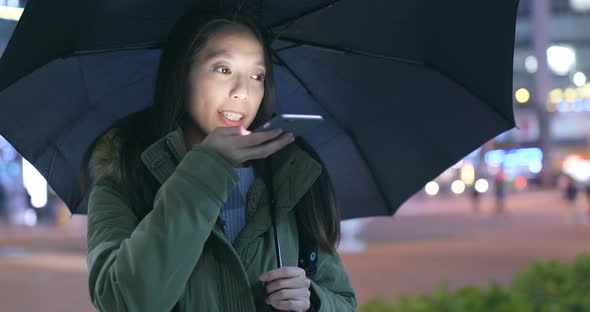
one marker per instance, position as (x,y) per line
(294,171)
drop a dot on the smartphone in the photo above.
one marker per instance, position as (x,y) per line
(294,123)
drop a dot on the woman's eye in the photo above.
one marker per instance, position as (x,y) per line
(223,70)
(259,77)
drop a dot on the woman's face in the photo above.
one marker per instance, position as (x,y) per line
(227,80)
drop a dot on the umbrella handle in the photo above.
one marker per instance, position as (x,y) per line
(278,245)
(273,203)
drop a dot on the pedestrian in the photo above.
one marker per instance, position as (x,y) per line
(571,193)
(178,217)
(500,190)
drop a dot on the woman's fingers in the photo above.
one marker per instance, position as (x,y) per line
(286,283)
(289,294)
(258,138)
(238,145)
(283,272)
(291,305)
(288,288)
(265,150)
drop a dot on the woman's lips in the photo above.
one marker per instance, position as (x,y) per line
(231,123)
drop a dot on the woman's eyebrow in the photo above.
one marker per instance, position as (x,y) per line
(225,54)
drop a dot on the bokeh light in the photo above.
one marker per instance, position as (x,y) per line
(458,187)
(482,185)
(561,59)
(468,174)
(530,64)
(520,182)
(431,188)
(522,95)
(579,79)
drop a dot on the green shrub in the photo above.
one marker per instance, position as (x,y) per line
(541,287)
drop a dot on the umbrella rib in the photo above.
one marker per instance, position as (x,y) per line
(298,43)
(139,46)
(287,47)
(70,124)
(479,98)
(343,50)
(290,21)
(155,45)
(339,124)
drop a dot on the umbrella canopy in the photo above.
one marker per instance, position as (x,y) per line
(406,88)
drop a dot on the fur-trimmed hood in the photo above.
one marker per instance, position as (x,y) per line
(105,159)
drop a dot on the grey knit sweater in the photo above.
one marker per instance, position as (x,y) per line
(233,212)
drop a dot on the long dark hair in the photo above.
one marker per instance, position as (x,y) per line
(169,111)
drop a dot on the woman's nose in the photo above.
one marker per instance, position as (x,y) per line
(240,89)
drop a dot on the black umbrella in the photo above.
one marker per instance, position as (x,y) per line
(407,88)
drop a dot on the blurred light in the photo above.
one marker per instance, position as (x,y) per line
(432,188)
(494,158)
(513,158)
(551,107)
(13,169)
(12,3)
(468,174)
(535,166)
(571,95)
(582,172)
(29,217)
(520,182)
(580,5)
(493,170)
(563,107)
(522,95)
(556,96)
(6,150)
(578,106)
(458,187)
(579,79)
(570,163)
(458,164)
(8,153)
(561,59)
(10,13)
(35,184)
(575,166)
(482,185)
(531,64)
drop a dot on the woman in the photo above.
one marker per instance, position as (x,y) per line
(178,217)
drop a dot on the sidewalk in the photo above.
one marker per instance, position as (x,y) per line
(430,240)
(44,268)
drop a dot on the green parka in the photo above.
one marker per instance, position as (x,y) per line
(179,253)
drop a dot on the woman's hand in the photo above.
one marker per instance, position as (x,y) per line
(238,145)
(288,289)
